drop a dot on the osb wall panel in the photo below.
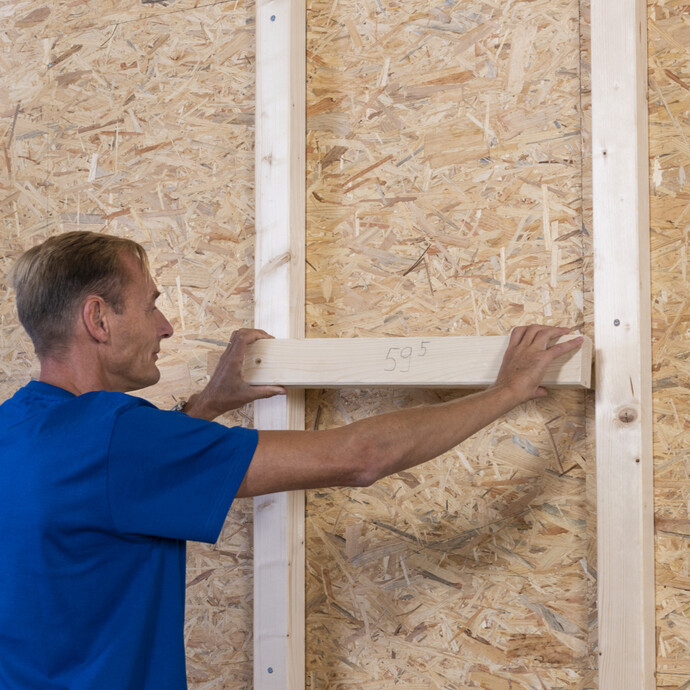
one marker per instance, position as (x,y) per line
(137,119)
(445,140)
(669,108)
(445,197)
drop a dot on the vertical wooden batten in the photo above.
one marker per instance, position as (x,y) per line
(623,345)
(279,297)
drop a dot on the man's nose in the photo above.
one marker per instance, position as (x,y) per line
(165,328)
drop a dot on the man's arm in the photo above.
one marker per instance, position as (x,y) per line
(360,453)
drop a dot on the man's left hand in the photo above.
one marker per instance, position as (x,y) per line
(227,389)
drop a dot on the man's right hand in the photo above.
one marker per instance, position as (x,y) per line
(527,358)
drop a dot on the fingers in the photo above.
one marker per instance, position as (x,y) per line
(246,336)
(254,334)
(543,335)
(563,348)
(540,335)
(527,357)
(240,339)
(516,336)
(267,391)
(535,334)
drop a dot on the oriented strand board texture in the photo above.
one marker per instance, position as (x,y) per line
(445,184)
(433,130)
(138,120)
(669,108)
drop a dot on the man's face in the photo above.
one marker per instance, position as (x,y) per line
(136,333)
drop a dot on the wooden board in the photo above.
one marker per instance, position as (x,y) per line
(625,524)
(435,362)
(279,308)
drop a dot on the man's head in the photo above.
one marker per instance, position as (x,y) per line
(53,279)
(98,286)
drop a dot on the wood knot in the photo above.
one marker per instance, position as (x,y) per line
(627,415)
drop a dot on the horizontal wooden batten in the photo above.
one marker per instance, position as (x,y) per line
(435,362)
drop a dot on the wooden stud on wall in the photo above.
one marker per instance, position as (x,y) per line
(279,297)
(625,521)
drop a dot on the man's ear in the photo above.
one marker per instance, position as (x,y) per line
(95,316)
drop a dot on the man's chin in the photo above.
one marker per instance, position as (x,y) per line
(151,379)
(155,377)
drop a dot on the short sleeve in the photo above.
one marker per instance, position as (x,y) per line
(174,476)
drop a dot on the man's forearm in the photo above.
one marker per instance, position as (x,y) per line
(366,450)
(405,438)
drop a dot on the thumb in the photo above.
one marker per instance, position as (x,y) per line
(541,392)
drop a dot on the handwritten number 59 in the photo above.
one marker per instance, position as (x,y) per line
(400,358)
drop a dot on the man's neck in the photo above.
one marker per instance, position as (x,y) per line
(69,373)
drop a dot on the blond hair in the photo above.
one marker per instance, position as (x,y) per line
(53,279)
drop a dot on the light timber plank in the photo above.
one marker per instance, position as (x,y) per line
(279,297)
(625,524)
(452,362)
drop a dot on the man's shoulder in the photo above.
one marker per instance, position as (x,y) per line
(113,399)
(38,399)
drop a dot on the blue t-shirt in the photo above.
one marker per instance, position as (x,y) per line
(98,494)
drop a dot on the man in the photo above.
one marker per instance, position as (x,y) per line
(100,490)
